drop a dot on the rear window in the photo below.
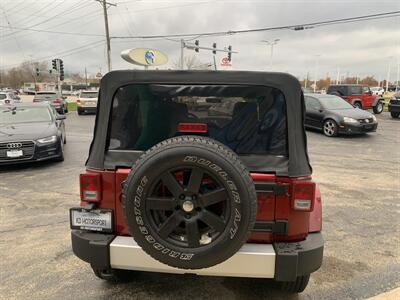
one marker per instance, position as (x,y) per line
(247,119)
(337,89)
(45,96)
(355,90)
(3,96)
(89,95)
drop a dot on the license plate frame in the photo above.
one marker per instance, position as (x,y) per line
(92,219)
(14,153)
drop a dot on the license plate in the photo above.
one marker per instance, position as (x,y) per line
(14,153)
(97,220)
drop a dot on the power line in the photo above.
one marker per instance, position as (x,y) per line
(64,53)
(51,31)
(73,8)
(89,16)
(296,27)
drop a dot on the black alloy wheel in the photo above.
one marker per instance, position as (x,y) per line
(190,211)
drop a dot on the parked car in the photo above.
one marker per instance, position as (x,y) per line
(378,91)
(87,102)
(358,95)
(67,92)
(394,105)
(56,100)
(334,116)
(172,189)
(31,132)
(6,98)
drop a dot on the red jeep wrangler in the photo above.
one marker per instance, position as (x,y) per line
(358,95)
(199,172)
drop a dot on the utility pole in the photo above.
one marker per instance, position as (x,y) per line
(271,43)
(104,3)
(86,77)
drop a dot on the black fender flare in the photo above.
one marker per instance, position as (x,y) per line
(377,99)
(356,100)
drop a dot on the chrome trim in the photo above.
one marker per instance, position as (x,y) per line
(252,260)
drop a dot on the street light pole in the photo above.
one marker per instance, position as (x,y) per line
(316,71)
(398,74)
(388,75)
(271,43)
(182,56)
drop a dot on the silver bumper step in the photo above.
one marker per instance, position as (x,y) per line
(252,260)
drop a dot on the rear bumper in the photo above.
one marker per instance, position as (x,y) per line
(394,107)
(87,109)
(281,261)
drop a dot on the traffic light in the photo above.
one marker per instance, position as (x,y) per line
(215,47)
(61,70)
(230,53)
(197,45)
(54,63)
(37,71)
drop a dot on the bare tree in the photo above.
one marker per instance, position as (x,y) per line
(26,72)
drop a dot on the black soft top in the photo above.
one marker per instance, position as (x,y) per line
(297,163)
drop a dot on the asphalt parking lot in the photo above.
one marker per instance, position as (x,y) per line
(359,179)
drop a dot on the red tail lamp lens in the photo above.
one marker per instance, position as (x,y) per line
(303,195)
(192,127)
(90,187)
(57,101)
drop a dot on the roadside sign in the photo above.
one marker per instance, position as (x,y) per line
(144,57)
(225,62)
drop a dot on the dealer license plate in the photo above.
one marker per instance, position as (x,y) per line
(97,220)
(14,153)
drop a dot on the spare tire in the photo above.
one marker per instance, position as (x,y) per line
(189,202)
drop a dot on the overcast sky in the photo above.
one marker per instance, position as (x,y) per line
(364,48)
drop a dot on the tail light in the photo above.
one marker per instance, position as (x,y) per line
(90,184)
(78,101)
(303,195)
(56,101)
(192,128)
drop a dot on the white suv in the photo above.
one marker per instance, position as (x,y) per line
(6,98)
